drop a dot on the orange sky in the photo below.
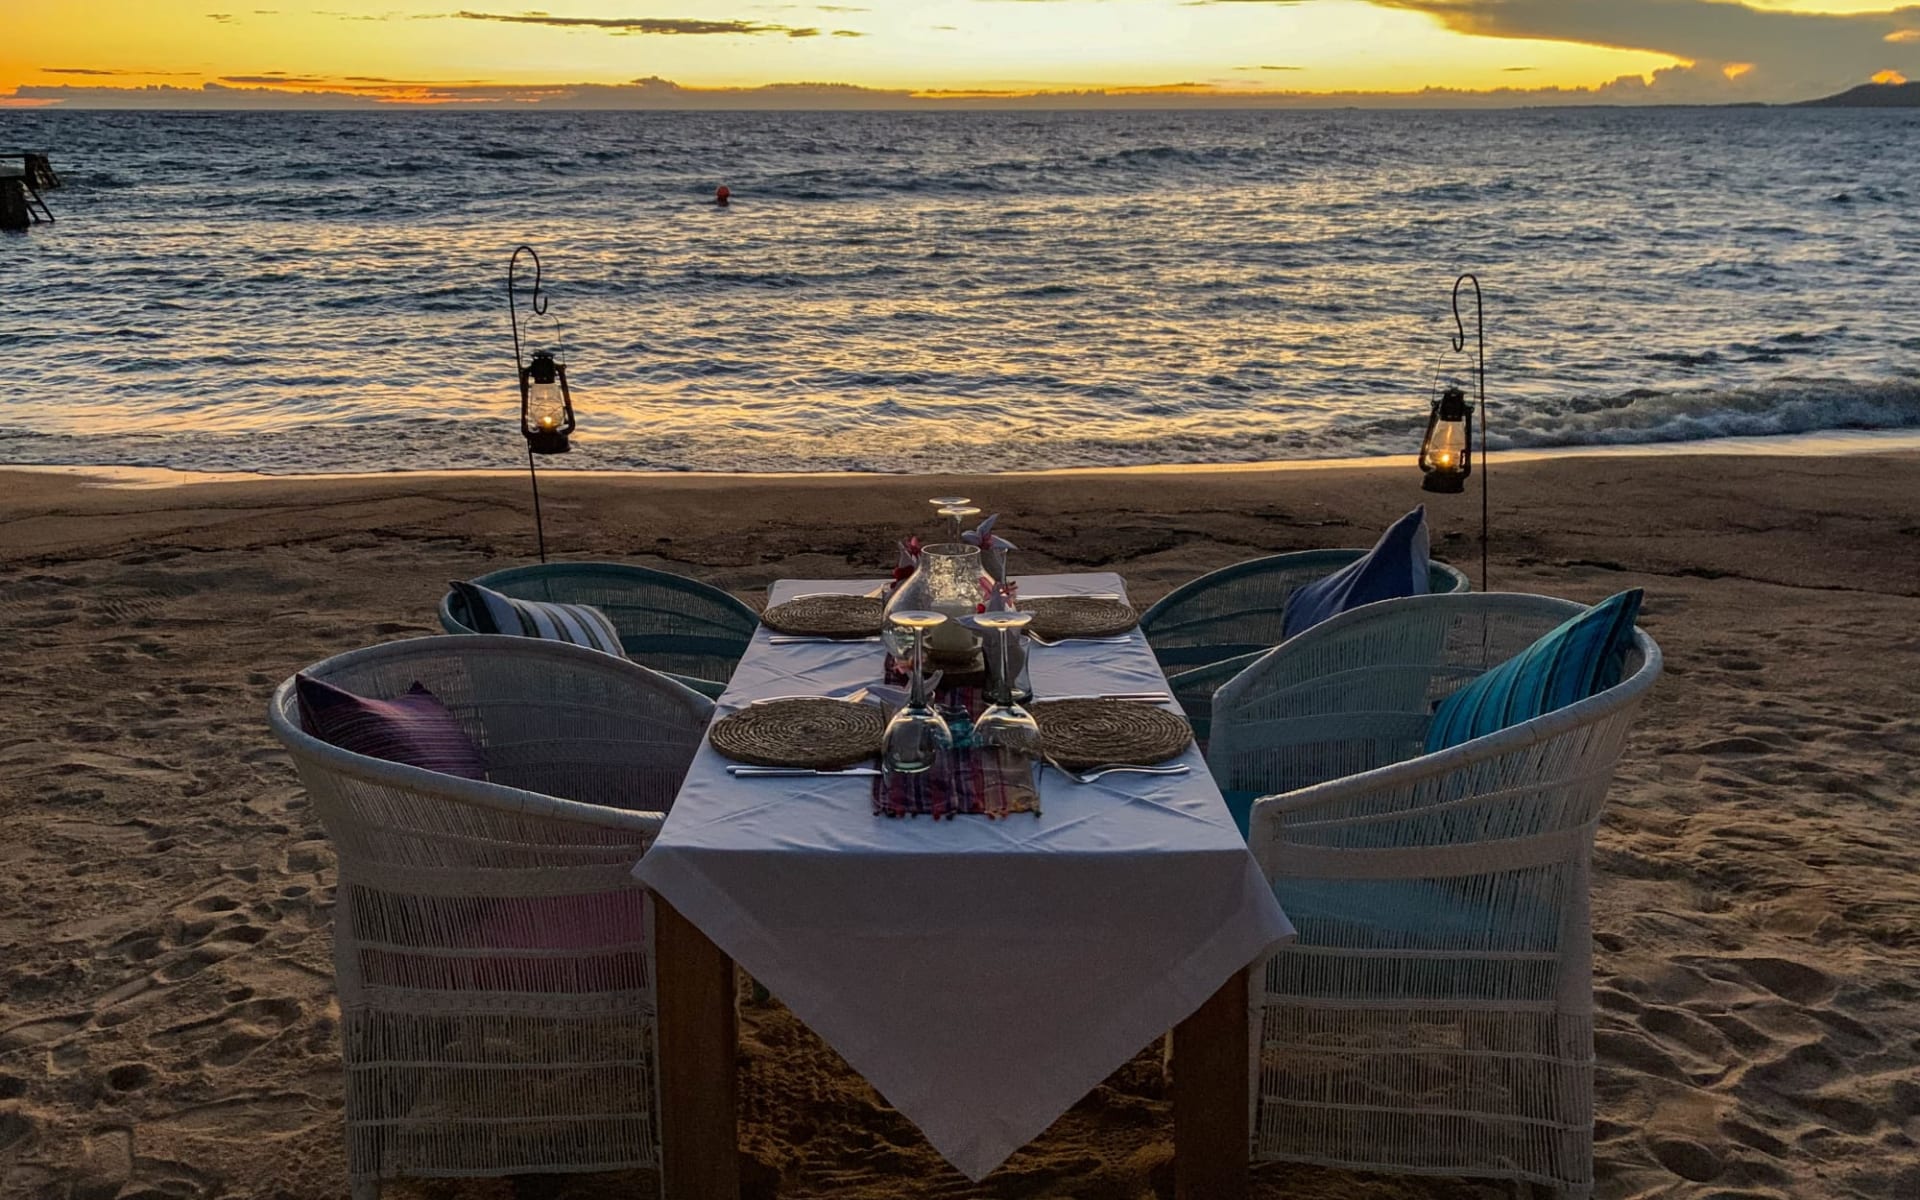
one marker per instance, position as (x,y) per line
(214,52)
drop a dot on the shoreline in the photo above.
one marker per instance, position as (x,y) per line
(1824,443)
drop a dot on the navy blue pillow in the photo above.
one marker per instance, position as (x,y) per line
(1396,566)
(1581,657)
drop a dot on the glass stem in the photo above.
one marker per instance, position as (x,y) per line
(1006,679)
(918,693)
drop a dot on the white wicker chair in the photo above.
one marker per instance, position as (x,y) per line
(492,949)
(1435,1015)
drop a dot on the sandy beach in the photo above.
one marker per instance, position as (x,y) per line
(167,1023)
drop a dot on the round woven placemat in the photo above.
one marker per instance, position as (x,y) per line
(822,734)
(826,616)
(1079,616)
(1093,733)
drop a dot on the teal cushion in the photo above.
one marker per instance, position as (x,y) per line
(1240,806)
(1582,657)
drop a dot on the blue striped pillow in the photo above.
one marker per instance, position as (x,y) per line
(1582,657)
(414,729)
(489,611)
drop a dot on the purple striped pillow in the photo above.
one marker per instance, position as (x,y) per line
(415,729)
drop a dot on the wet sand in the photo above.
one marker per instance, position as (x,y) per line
(167,1026)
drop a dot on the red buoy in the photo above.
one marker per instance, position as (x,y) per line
(721,195)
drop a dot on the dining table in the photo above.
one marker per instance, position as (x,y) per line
(982,974)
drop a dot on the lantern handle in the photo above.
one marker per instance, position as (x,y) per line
(513,309)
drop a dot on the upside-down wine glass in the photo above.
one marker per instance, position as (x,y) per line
(917,736)
(1005,724)
(955,513)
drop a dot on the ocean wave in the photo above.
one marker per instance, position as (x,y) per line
(1786,406)
(872,437)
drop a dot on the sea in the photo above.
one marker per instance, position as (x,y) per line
(980,291)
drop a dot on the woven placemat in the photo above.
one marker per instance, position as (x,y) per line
(826,616)
(806,732)
(1079,616)
(1093,733)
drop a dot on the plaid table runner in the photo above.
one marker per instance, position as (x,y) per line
(972,781)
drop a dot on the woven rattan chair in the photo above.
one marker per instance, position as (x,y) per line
(491,946)
(682,627)
(1436,1014)
(1207,631)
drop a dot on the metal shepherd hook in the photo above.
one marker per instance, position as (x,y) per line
(520,365)
(1480,379)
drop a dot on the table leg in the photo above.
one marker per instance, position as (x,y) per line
(698,1041)
(1211,1135)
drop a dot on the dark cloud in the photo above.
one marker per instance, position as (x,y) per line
(1519,68)
(685,26)
(275,77)
(108,71)
(841,8)
(1787,55)
(223,18)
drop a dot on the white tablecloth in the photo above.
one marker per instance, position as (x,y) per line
(982,974)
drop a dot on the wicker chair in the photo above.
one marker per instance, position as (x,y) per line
(679,626)
(1207,631)
(1436,1014)
(492,949)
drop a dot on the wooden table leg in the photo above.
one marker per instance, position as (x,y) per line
(1211,1135)
(698,1041)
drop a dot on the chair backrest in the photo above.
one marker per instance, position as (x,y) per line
(1342,711)
(584,751)
(666,621)
(1241,609)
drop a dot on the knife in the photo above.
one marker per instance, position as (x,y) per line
(748,772)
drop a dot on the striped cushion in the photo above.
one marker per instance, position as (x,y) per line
(581,624)
(415,729)
(1584,656)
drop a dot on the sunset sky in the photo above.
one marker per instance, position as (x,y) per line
(652,53)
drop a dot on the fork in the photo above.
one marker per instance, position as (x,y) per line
(1122,640)
(1114,769)
(791,639)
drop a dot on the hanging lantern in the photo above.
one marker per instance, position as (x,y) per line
(546,405)
(1446,456)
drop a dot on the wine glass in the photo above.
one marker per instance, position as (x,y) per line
(1005,724)
(954,513)
(917,736)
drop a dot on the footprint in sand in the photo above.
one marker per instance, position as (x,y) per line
(129,1077)
(42,1032)
(253,1115)
(237,1031)
(15,1129)
(1789,980)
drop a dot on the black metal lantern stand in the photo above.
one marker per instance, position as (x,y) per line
(1446,453)
(546,402)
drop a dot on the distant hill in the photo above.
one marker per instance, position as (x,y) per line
(1870,95)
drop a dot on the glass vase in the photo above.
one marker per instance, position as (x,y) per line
(948,581)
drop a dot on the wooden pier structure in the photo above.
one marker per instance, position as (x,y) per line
(21,204)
